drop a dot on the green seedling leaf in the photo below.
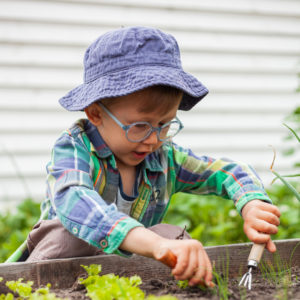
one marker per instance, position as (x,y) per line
(285,176)
(8,296)
(287,184)
(183,283)
(92,269)
(110,286)
(22,288)
(293,131)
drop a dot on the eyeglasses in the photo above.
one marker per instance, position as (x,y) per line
(139,131)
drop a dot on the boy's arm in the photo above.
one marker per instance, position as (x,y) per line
(231,180)
(79,207)
(208,176)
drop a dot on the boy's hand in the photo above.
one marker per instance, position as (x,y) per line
(192,261)
(260,220)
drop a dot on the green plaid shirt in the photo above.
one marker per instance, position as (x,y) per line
(83,181)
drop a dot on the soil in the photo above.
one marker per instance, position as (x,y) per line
(262,288)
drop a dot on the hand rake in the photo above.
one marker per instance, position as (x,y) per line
(253,261)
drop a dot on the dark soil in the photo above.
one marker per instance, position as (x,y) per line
(262,288)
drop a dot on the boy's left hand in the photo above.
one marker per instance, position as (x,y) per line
(260,220)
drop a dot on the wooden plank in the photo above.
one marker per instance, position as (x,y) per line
(62,273)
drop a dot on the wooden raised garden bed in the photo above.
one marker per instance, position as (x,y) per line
(156,277)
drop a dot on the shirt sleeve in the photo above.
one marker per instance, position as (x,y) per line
(205,175)
(76,203)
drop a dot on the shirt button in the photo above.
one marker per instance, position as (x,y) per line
(103,243)
(75,230)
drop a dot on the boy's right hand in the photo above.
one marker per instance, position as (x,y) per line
(193,262)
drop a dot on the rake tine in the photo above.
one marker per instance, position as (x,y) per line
(246,281)
(250,281)
(243,279)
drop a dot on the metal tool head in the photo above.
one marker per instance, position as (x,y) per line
(247,279)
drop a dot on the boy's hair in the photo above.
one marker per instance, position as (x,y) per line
(162,96)
(128,60)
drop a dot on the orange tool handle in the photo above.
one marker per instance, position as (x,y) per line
(167,257)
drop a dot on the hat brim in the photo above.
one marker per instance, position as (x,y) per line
(127,81)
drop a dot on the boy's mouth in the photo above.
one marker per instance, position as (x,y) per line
(140,155)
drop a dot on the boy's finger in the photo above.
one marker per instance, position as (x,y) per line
(271,208)
(268,217)
(261,226)
(203,274)
(192,266)
(181,265)
(271,247)
(257,237)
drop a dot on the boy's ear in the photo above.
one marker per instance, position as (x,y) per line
(93,113)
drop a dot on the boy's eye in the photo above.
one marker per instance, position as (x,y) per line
(141,126)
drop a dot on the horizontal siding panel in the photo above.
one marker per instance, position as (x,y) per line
(70,58)
(246,53)
(68,79)
(189,41)
(101,15)
(12,100)
(287,8)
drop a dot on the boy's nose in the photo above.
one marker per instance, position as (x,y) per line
(151,139)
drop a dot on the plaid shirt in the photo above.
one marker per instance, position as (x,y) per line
(83,181)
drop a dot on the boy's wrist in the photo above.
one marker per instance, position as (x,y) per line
(142,241)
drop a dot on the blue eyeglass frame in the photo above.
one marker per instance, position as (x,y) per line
(153,129)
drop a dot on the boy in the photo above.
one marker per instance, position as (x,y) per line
(112,175)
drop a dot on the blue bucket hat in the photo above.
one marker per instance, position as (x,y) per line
(126,60)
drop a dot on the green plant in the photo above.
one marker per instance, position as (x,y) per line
(210,219)
(222,278)
(24,291)
(282,178)
(279,273)
(113,287)
(14,227)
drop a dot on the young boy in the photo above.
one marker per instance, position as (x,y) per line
(112,175)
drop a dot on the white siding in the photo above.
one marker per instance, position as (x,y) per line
(246,52)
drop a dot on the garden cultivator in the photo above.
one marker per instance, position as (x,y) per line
(253,261)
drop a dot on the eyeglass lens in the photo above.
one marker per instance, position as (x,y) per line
(139,131)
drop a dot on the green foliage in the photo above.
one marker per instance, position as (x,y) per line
(24,291)
(281,178)
(210,219)
(183,283)
(215,221)
(290,212)
(294,119)
(113,287)
(14,227)
(278,273)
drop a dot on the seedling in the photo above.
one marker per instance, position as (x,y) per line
(282,178)
(113,287)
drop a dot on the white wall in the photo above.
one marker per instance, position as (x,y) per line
(246,52)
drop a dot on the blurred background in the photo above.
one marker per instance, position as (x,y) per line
(246,52)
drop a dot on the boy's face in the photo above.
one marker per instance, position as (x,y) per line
(128,109)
